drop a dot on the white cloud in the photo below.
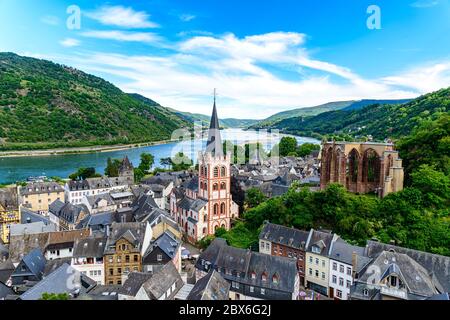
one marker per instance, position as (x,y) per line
(187,17)
(247,71)
(424,3)
(120,16)
(50,20)
(146,37)
(70,42)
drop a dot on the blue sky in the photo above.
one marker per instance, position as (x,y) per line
(263,56)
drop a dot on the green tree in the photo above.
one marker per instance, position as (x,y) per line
(112,167)
(54,296)
(287,145)
(84,173)
(147,161)
(165,162)
(306,149)
(254,197)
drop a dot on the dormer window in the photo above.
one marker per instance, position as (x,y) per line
(264,277)
(275,279)
(253,275)
(366,292)
(315,249)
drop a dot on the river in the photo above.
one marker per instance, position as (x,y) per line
(14,169)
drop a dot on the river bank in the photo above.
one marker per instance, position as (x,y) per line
(79,150)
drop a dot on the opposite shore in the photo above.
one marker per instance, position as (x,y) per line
(78,150)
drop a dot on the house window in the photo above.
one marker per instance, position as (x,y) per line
(341,268)
(275,279)
(317,273)
(264,277)
(252,289)
(223,172)
(119,270)
(136,258)
(262,245)
(111,272)
(334,266)
(349,283)
(341,281)
(253,275)
(323,263)
(310,271)
(339,294)
(216,172)
(159,257)
(127,258)
(366,292)
(317,261)
(235,285)
(334,279)
(263,291)
(215,187)
(323,275)
(310,259)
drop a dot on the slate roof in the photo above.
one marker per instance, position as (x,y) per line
(191,184)
(416,277)
(31,228)
(436,265)
(320,239)
(167,243)
(133,232)
(91,247)
(6,269)
(214,144)
(67,211)
(65,279)
(98,219)
(143,205)
(28,216)
(134,282)
(54,264)
(21,245)
(192,204)
(228,259)
(343,252)
(285,236)
(102,292)
(5,291)
(161,281)
(40,187)
(211,287)
(95,199)
(35,261)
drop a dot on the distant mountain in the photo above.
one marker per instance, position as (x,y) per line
(44,104)
(379,120)
(225,123)
(313,111)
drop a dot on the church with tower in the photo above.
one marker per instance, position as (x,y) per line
(204,203)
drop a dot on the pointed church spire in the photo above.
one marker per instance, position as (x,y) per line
(214,144)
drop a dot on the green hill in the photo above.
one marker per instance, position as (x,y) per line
(313,111)
(379,120)
(205,119)
(47,105)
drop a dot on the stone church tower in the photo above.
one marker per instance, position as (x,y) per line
(214,178)
(126,170)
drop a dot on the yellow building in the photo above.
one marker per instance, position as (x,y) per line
(37,196)
(9,211)
(318,261)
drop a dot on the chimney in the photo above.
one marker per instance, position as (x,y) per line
(354,263)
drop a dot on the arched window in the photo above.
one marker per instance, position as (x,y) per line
(216,172)
(275,278)
(223,186)
(205,186)
(201,185)
(223,172)
(222,208)
(223,226)
(205,218)
(264,277)
(216,209)
(215,186)
(204,230)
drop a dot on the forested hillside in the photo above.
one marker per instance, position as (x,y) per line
(43,104)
